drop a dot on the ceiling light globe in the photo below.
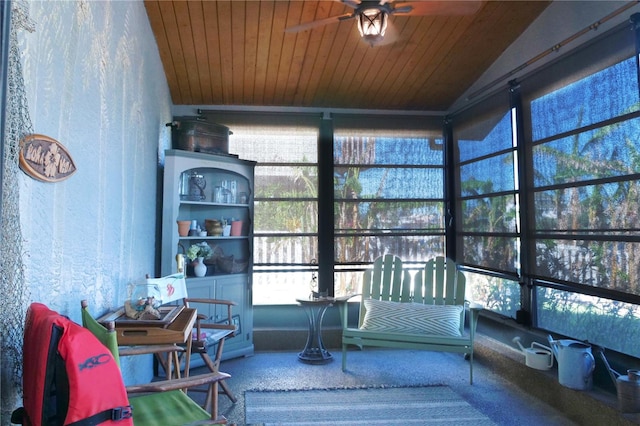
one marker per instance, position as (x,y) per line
(372,24)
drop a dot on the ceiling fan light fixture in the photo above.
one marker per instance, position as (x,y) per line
(372,24)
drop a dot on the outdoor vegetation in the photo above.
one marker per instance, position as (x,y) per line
(595,319)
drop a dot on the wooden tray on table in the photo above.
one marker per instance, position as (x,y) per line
(156,332)
(167,315)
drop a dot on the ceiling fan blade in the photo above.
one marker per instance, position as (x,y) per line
(351,3)
(434,7)
(318,23)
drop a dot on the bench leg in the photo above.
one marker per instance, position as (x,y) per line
(471,368)
(344,357)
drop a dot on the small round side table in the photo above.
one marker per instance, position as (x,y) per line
(314,351)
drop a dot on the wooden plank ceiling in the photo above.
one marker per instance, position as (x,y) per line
(238,53)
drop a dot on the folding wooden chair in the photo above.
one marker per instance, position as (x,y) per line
(163,402)
(207,333)
(69,379)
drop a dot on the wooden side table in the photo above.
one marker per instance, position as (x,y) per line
(314,351)
(144,337)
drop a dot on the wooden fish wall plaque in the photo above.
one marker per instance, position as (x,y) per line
(45,159)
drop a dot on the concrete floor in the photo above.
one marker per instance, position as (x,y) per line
(501,398)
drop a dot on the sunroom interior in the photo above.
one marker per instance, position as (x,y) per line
(528,188)
(528,180)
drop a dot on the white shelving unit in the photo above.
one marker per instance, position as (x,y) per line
(184,201)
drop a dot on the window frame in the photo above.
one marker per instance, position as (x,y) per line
(372,126)
(601,53)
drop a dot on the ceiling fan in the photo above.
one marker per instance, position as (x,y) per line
(372,16)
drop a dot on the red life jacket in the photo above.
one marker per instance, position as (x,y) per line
(70,378)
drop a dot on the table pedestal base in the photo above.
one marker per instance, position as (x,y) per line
(314,351)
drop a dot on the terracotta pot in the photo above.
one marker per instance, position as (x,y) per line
(183,227)
(236,228)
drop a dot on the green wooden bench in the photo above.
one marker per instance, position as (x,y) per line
(428,315)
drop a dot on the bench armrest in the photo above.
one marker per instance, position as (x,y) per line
(344,307)
(474,310)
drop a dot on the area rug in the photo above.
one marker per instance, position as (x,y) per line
(363,406)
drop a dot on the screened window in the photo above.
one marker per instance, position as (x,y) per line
(388,193)
(285,243)
(583,121)
(586,169)
(597,319)
(576,137)
(488,204)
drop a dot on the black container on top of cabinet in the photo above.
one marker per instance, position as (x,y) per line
(198,135)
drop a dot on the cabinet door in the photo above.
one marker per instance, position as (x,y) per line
(235,288)
(202,288)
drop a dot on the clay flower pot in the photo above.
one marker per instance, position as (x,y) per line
(236,228)
(183,227)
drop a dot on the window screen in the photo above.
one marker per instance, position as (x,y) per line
(487,203)
(388,192)
(286,199)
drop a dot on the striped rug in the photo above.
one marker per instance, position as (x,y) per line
(363,406)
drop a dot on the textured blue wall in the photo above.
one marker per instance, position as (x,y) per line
(95,83)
